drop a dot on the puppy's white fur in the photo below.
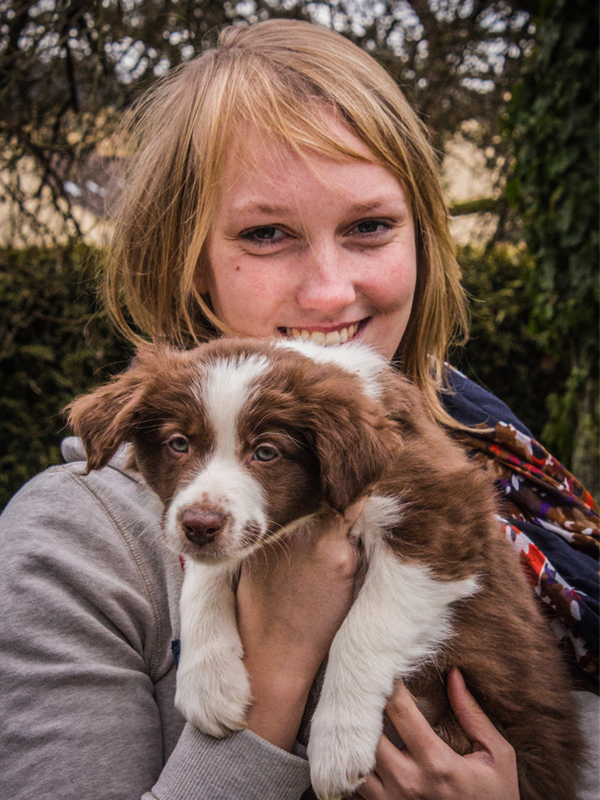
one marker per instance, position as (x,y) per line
(357,358)
(213,687)
(399,619)
(425,549)
(224,389)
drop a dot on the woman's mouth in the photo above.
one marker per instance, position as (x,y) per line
(326,337)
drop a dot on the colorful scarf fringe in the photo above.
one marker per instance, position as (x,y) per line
(552,522)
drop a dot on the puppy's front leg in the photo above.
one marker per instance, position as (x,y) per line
(399,619)
(213,688)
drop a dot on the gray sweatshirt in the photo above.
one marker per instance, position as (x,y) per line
(89,609)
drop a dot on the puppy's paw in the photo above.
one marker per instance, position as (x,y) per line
(214,702)
(339,761)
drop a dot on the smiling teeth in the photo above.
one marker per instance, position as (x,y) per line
(333,337)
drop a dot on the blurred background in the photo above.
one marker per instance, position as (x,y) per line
(509,92)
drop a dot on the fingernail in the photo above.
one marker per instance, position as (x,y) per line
(458,677)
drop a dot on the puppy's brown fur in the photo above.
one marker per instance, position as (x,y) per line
(340,444)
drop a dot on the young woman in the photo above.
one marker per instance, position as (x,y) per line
(280,186)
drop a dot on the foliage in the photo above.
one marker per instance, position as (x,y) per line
(554,128)
(68,69)
(503,353)
(53,345)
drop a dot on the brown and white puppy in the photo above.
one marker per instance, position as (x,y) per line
(245,442)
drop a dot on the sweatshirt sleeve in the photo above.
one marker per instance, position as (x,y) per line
(248,767)
(86,667)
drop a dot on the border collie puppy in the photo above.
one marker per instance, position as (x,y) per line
(247,441)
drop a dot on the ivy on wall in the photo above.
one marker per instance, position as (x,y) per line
(553,125)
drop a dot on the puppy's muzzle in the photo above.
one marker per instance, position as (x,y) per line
(201,526)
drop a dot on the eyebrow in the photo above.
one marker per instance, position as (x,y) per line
(373,205)
(263,208)
(357,208)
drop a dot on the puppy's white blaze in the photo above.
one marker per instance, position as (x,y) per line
(353,357)
(380,513)
(224,389)
(399,620)
(225,485)
(213,687)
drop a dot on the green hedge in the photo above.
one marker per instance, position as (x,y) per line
(54,344)
(504,354)
(553,128)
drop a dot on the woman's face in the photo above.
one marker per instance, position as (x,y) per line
(312,248)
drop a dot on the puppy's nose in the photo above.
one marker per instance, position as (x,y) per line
(201,527)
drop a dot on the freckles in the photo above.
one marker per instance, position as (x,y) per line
(399,275)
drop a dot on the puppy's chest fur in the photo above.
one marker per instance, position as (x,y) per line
(246,443)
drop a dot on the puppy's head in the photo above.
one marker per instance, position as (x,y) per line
(240,439)
(331,395)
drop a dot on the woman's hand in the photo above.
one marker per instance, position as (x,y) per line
(291,600)
(428,769)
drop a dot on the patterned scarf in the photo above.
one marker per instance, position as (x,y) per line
(552,523)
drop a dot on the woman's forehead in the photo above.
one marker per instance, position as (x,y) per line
(264,175)
(324,136)
(262,155)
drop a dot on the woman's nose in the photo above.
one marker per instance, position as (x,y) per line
(327,284)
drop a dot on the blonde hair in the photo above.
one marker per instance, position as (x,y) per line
(278,76)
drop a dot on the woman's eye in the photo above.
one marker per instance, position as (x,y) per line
(371,226)
(265,235)
(265,453)
(179,444)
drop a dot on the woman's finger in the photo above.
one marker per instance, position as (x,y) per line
(477,726)
(371,789)
(409,722)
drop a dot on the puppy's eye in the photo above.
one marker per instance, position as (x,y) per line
(179,444)
(265,452)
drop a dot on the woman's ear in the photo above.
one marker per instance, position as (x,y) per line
(201,280)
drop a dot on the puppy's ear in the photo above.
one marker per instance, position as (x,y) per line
(105,419)
(355,443)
